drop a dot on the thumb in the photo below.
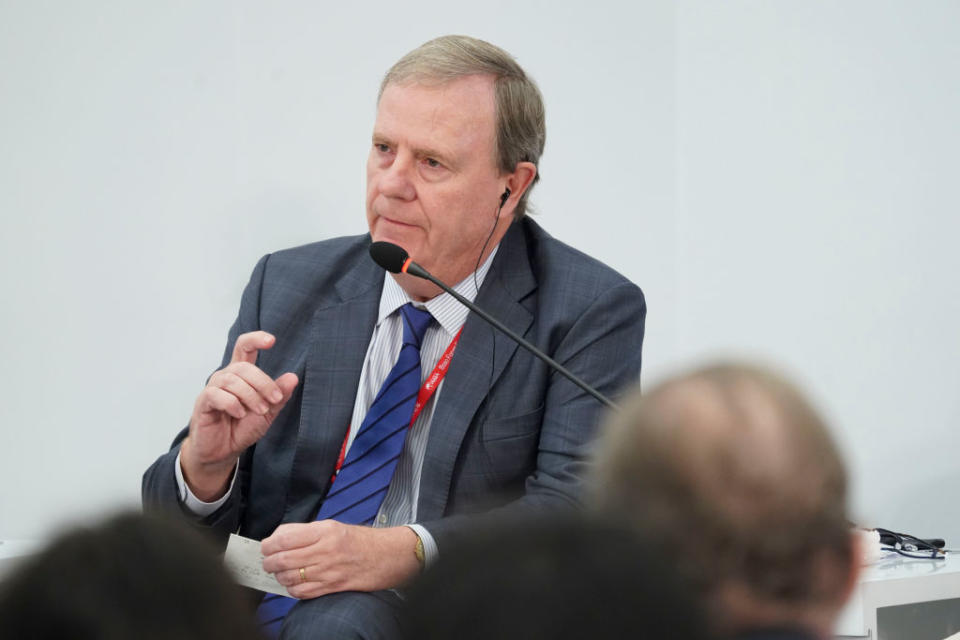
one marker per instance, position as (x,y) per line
(287,383)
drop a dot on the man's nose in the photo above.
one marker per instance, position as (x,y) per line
(397,180)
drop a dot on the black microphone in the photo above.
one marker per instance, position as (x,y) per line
(396,260)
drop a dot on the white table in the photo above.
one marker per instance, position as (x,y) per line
(897,581)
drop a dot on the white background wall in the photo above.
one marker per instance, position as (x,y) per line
(779,177)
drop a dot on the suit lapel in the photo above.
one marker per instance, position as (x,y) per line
(474,371)
(339,337)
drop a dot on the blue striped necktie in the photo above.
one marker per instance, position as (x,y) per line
(360,486)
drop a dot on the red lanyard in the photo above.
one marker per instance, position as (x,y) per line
(439,372)
(426,392)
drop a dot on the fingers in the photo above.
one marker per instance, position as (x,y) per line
(248,344)
(287,383)
(216,399)
(312,588)
(255,389)
(335,557)
(314,576)
(291,560)
(286,539)
(312,581)
(258,392)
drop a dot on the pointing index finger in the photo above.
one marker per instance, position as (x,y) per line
(248,344)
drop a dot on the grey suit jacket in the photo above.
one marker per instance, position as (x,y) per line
(506,433)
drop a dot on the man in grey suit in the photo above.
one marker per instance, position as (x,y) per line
(456,143)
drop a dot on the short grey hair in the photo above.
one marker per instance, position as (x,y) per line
(733,467)
(520,116)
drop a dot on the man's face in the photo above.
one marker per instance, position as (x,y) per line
(433,186)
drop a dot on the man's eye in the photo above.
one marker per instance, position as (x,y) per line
(433,164)
(381,147)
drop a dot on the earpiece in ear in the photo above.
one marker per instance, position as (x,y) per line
(504,196)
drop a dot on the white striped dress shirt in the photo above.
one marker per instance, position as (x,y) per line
(399,506)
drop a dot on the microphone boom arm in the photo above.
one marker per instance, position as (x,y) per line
(414,269)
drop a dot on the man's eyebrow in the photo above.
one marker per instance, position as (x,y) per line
(436,154)
(379,138)
(419,152)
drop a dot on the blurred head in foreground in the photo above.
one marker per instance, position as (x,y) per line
(130,577)
(553,579)
(731,465)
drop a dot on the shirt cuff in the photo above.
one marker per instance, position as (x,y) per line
(430,551)
(197,506)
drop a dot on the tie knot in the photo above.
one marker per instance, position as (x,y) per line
(415,323)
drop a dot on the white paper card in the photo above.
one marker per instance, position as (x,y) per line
(245,562)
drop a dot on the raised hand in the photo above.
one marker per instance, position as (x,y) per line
(232,412)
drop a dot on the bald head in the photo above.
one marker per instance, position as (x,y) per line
(736,468)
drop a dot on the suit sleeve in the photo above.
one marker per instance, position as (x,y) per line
(159,491)
(603,346)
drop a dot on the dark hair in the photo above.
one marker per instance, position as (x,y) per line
(559,578)
(132,576)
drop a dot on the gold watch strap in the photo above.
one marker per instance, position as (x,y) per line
(418,551)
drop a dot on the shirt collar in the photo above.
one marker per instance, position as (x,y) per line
(447,311)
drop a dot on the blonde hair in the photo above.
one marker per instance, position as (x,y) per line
(520,118)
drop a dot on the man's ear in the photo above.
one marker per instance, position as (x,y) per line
(518,182)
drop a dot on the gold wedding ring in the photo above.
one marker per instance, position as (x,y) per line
(303,574)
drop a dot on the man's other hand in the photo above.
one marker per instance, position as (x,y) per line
(339,557)
(232,412)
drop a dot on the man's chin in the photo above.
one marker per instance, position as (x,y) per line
(410,245)
(399,237)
